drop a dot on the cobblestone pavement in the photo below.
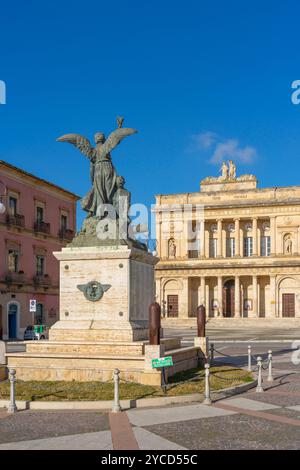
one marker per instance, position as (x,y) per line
(269,420)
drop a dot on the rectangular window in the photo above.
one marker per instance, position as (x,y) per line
(13,202)
(213,248)
(230,247)
(63,223)
(13,261)
(248,246)
(40,265)
(265,246)
(39,214)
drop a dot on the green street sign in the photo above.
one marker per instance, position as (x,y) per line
(162,362)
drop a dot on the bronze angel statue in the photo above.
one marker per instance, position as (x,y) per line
(103,174)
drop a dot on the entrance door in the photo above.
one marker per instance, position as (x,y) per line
(172,305)
(288,305)
(228,299)
(12,321)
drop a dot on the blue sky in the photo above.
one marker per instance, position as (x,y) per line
(178,72)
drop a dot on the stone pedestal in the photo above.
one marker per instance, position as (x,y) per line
(105,293)
(121,314)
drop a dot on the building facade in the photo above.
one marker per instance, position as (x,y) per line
(36,218)
(231,246)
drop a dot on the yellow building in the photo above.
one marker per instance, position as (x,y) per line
(231,246)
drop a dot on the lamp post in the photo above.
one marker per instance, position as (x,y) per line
(3,192)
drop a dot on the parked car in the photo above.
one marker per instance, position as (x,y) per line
(35,332)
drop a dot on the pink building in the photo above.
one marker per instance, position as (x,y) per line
(39,218)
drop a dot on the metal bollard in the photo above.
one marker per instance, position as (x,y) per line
(212,348)
(270,377)
(116,406)
(249,359)
(259,388)
(207,399)
(12,407)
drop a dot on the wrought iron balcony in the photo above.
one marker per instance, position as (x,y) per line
(12,277)
(42,227)
(17,220)
(42,280)
(66,234)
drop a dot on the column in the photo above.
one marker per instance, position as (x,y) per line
(237,236)
(220,295)
(254,231)
(272,310)
(207,300)
(219,239)
(237,297)
(183,306)
(273,235)
(202,239)
(254,294)
(224,242)
(241,235)
(202,291)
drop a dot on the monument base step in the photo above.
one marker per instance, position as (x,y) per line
(82,364)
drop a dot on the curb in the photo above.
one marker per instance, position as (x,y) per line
(125,404)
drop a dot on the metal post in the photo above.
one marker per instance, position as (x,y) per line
(207,399)
(154,323)
(12,407)
(270,377)
(249,358)
(201,320)
(212,352)
(259,388)
(116,406)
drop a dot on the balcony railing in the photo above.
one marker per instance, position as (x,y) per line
(42,280)
(66,234)
(17,220)
(12,277)
(42,227)
(193,254)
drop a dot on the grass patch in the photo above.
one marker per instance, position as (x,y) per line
(221,377)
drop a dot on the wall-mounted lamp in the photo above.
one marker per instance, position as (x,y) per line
(3,192)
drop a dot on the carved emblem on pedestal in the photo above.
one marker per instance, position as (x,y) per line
(93,290)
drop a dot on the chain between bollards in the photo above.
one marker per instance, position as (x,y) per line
(12,407)
(270,377)
(116,406)
(259,388)
(207,398)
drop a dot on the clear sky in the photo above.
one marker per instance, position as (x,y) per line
(200,80)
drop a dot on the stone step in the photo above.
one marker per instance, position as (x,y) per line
(233,323)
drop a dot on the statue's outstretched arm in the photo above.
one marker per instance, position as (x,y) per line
(82,143)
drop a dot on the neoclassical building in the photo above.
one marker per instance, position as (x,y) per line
(231,246)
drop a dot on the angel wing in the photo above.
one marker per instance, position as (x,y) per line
(105,287)
(114,139)
(81,287)
(82,143)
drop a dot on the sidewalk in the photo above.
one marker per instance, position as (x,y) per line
(268,420)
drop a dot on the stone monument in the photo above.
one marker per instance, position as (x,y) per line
(106,287)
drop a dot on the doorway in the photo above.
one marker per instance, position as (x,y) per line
(12,321)
(172,305)
(288,305)
(228,299)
